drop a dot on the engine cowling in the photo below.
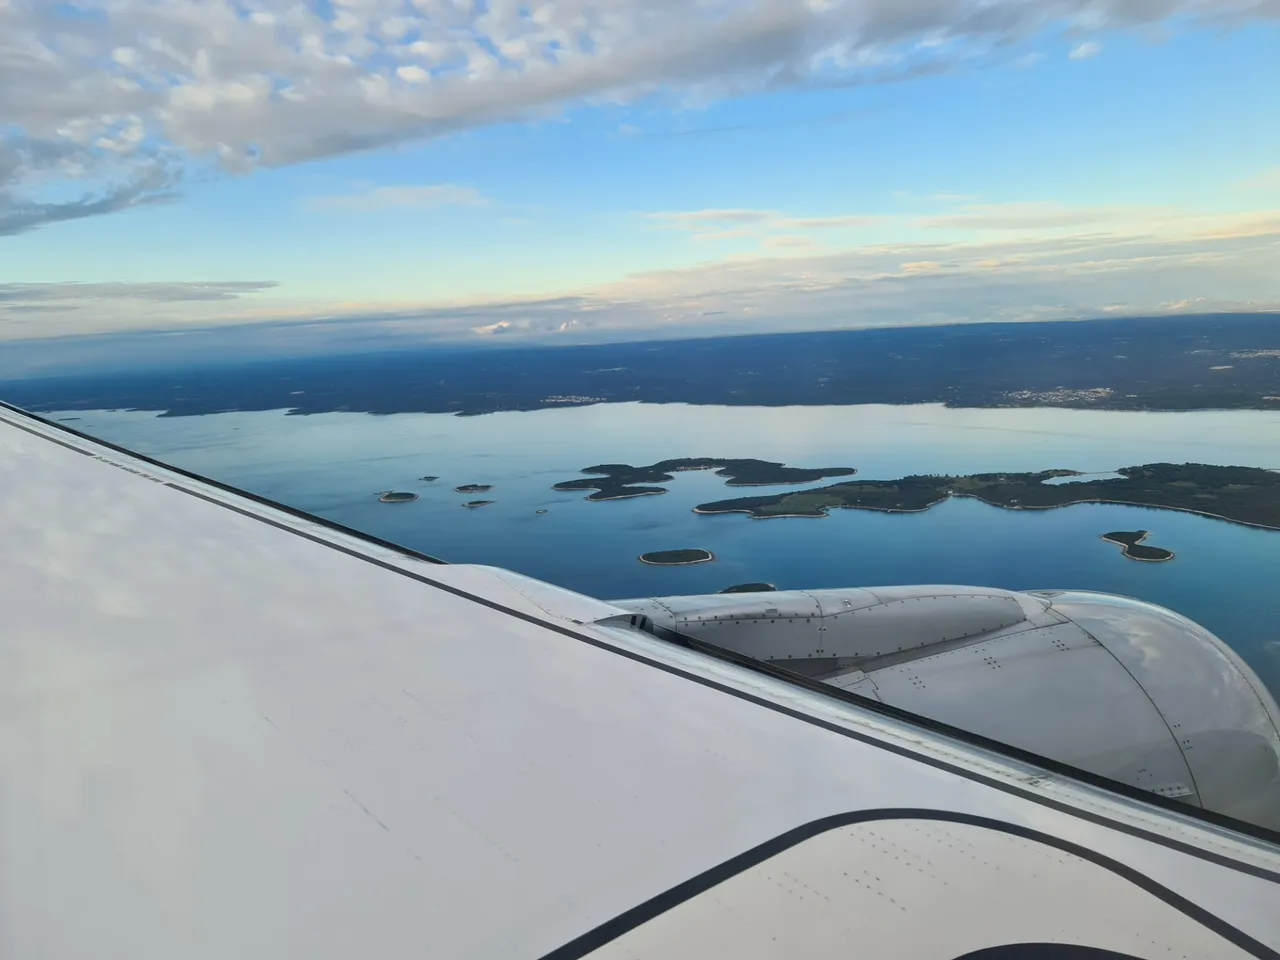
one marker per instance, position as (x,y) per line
(1115,686)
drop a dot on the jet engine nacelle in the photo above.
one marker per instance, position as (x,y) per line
(1115,686)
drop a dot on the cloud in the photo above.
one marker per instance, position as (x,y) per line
(696,219)
(1086,51)
(1169,262)
(377,199)
(167,292)
(723,224)
(1033,216)
(35,310)
(823,223)
(147,179)
(790,241)
(124,94)
(1266,180)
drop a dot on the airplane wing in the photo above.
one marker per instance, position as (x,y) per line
(228,729)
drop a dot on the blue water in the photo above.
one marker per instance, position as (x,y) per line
(1083,478)
(1224,574)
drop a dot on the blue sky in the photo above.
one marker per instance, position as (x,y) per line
(441,170)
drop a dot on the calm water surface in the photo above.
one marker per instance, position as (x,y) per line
(1224,575)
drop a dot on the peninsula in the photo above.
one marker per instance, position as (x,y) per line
(620,481)
(1131,540)
(1248,495)
(473,488)
(396,496)
(676,558)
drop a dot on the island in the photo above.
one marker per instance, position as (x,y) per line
(478,503)
(676,558)
(621,481)
(540,511)
(1247,495)
(429,479)
(396,496)
(1131,540)
(750,588)
(473,488)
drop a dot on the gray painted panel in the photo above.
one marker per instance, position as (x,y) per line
(1054,691)
(1220,713)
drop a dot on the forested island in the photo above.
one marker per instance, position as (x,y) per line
(1134,549)
(396,496)
(676,558)
(620,481)
(472,504)
(1242,494)
(750,588)
(474,488)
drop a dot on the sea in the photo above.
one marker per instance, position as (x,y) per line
(1224,575)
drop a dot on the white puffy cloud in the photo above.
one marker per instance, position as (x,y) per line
(121,94)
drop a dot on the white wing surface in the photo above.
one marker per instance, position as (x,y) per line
(229,730)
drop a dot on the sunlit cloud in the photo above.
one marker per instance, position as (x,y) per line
(1132,261)
(135,93)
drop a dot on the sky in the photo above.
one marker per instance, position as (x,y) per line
(276,176)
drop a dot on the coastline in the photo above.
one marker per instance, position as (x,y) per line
(826,510)
(678,563)
(397,497)
(620,496)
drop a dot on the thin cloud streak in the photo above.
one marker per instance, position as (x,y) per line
(381,199)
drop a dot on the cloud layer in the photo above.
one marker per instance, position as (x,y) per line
(1018,262)
(120,95)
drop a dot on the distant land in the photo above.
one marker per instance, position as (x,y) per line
(620,481)
(1165,363)
(1242,494)
(1134,549)
(474,488)
(676,558)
